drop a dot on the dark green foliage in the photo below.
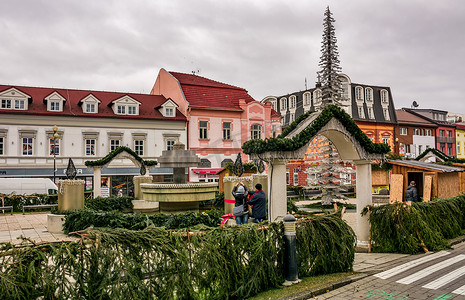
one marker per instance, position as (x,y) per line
(259,146)
(17,201)
(109,204)
(404,229)
(230,263)
(217,203)
(84,218)
(318,205)
(105,160)
(248,167)
(291,207)
(325,244)
(297,189)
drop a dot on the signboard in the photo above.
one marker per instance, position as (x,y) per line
(105,187)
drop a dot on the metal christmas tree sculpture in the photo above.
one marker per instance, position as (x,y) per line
(143,169)
(238,167)
(327,175)
(329,64)
(71,171)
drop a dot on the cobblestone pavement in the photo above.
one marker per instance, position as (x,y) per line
(30,225)
(435,276)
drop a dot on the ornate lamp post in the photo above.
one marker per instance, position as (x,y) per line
(55,137)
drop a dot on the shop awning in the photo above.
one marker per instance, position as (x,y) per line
(207,170)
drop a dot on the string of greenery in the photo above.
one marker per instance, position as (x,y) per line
(441,155)
(105,160)
(109,203)
(220,263)
(407,229)
(18,201)
(248,167)
(84,218)
(259,146)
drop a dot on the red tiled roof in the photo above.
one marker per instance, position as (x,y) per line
(404,117)
(72,108)
(460,126)
(202,92)
(274,113)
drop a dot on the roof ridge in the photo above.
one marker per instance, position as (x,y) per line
(73,89)
(209,83)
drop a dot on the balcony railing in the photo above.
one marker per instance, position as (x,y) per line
(446,139)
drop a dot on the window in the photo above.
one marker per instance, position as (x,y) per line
(386,114)
(6,103)
(449,133)
(170,144)
(458,148)
(416,131)
(27,145)
(226,130)
(316,97)
(131,110)
(114,143)
(307,98)
(442,147)
(90,107)
(371,115)
(225,162)
(428,132)
(384,96)
(203,126)
(139,147)
(292,99)
(403,131)
(420,149)
(358,93)
(169,112)
(288,178)
(283,104)
(361,113)
(273,129)
(205,163)
(121,109)
(386,140)
(19,104)
(449,149)
(291,117)
(441,133)
(2,145)
(368,94)
(54,145)
(256,132)
(55,106)
(370,136)
(90,147)
(296,177)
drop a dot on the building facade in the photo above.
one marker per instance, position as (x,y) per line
(221,117)
(89,124)
(460,139)
(413,134)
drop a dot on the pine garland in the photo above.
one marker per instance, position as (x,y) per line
(220,263)
(259,146)
(441,155)
(408,229)
(105,160)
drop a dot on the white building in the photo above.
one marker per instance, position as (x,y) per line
(90,125)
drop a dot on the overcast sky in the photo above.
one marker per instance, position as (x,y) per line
(268,47)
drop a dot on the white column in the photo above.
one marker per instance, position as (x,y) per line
(277,191)
(363,196)
(97,181)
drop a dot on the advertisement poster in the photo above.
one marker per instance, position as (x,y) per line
(105,187)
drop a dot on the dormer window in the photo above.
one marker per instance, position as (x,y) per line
(368,94)
(168,109)
(293,101)
(54,102)
(359,93)
(14,99)
(90,104)
(384,96)
(126,106)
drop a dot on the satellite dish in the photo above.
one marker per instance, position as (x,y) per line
(415,104)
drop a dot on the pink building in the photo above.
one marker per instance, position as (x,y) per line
(220,117)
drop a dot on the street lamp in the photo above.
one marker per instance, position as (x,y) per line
(55,137)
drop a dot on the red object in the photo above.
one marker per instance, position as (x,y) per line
(207,170)
(226,218)
(229,201)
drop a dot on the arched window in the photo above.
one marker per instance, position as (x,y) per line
(384,96)
(359,93)
(386,138)
(255,132)
(293,101)
(283,103)
(368,94)
(317,97)
(225,162)
(307,98)
(344,87)
(205,163)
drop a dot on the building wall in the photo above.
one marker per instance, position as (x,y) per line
(377,131)
(460,141)
(449,142)
(421,143)
(169,87)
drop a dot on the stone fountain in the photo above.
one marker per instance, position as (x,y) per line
(179,196)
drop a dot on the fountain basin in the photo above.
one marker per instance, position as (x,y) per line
(178,197)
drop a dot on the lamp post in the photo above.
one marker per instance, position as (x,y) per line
(55,137)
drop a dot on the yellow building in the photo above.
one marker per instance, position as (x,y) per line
(460,139)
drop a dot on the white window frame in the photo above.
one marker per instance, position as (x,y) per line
(5,104)
(384,95)
(2,145)
(28,142)
(386,114)
(170,144)
(386,140)
(126,106)
(89,102)
(361,112)
(403,131)
(291,117)
(371,114)
(296,177)
(114,143)
(88,144)
(368,94)
(307,98)
(255,131)
(458,148)
(359,93)
(169,140)
(293,101)
(132,110)
(121,109)
(139,146)
(283,103)
(169,112)
(20,104)
(416,131)
(55,105)
(90,108)
(428,132)
(227,131)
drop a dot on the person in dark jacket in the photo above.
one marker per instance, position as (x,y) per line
(411,192)
(259,202)
(240,195)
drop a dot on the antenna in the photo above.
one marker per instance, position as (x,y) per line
(305,83)
(414,104)
(196,72)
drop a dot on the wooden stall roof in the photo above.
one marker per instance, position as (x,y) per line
(425,166)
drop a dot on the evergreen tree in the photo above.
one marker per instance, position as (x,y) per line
(329,64)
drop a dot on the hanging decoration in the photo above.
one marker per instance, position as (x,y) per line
(143,169)
(238,167)
(260,165)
